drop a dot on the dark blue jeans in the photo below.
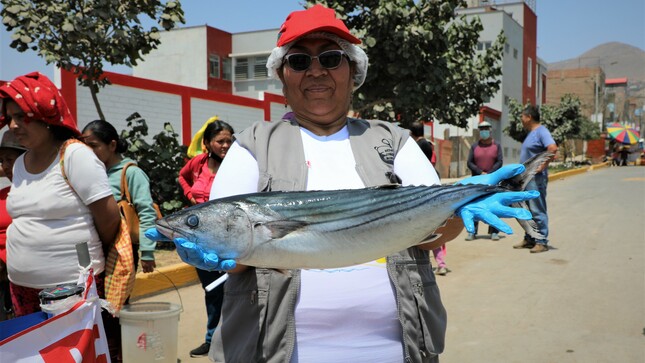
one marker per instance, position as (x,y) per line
(538,207)
(213,299)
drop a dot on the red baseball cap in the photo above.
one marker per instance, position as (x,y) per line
(315,19)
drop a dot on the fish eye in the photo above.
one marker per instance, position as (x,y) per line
(192,221)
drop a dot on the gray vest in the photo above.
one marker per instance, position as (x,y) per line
(258,323)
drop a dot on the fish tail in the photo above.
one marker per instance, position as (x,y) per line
(520,181)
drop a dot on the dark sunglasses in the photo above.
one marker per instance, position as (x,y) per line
(300,62)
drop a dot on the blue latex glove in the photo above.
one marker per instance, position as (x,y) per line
(505,172)
(493,207)
(193,254)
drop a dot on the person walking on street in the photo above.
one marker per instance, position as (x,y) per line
(538,140)
(485,157)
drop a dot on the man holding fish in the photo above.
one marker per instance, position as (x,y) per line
(324,265)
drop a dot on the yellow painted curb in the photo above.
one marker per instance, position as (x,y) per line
(180,274)
(566,173)
(600,166)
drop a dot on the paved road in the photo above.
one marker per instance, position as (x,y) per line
(583,301)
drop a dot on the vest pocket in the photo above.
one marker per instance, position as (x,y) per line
(243,312)
(431,311)
(420,306)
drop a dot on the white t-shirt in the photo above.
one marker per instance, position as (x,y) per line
(49,219)
(345,314)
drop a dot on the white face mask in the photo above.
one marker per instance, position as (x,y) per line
(484,134)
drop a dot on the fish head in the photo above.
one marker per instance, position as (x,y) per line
(223,228)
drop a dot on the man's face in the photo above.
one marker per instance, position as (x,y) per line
(484,133)
(526,121)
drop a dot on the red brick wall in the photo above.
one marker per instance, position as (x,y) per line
(579,82)
(596,150)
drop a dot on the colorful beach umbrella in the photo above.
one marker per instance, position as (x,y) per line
(622,134)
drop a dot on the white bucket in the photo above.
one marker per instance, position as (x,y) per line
(149,332)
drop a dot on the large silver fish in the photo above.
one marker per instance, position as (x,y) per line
(320,229)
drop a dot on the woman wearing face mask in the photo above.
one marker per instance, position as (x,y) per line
(196,178)
(484,158)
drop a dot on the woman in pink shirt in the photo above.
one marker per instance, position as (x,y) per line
(198,174)
(196,178)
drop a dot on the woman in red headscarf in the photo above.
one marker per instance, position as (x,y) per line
(52,211)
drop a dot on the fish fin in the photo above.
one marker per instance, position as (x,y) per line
(282,228)
(520,181)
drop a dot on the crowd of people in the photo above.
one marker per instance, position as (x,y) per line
(65,192)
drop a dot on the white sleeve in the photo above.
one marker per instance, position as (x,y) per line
(238,174)
(86,173)
(413,167)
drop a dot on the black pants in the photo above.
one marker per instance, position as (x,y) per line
(213,300)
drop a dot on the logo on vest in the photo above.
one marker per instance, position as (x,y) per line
(385,151)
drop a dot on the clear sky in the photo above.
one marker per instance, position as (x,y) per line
(566,28)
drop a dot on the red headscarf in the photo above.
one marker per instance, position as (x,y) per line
(39,99)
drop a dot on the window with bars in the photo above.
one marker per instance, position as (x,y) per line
(241,68)
(260,68)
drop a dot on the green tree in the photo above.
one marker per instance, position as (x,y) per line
(423,60)
(80,35)
(564,121)
(162,160)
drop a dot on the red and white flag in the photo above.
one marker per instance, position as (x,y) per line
(75,336)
